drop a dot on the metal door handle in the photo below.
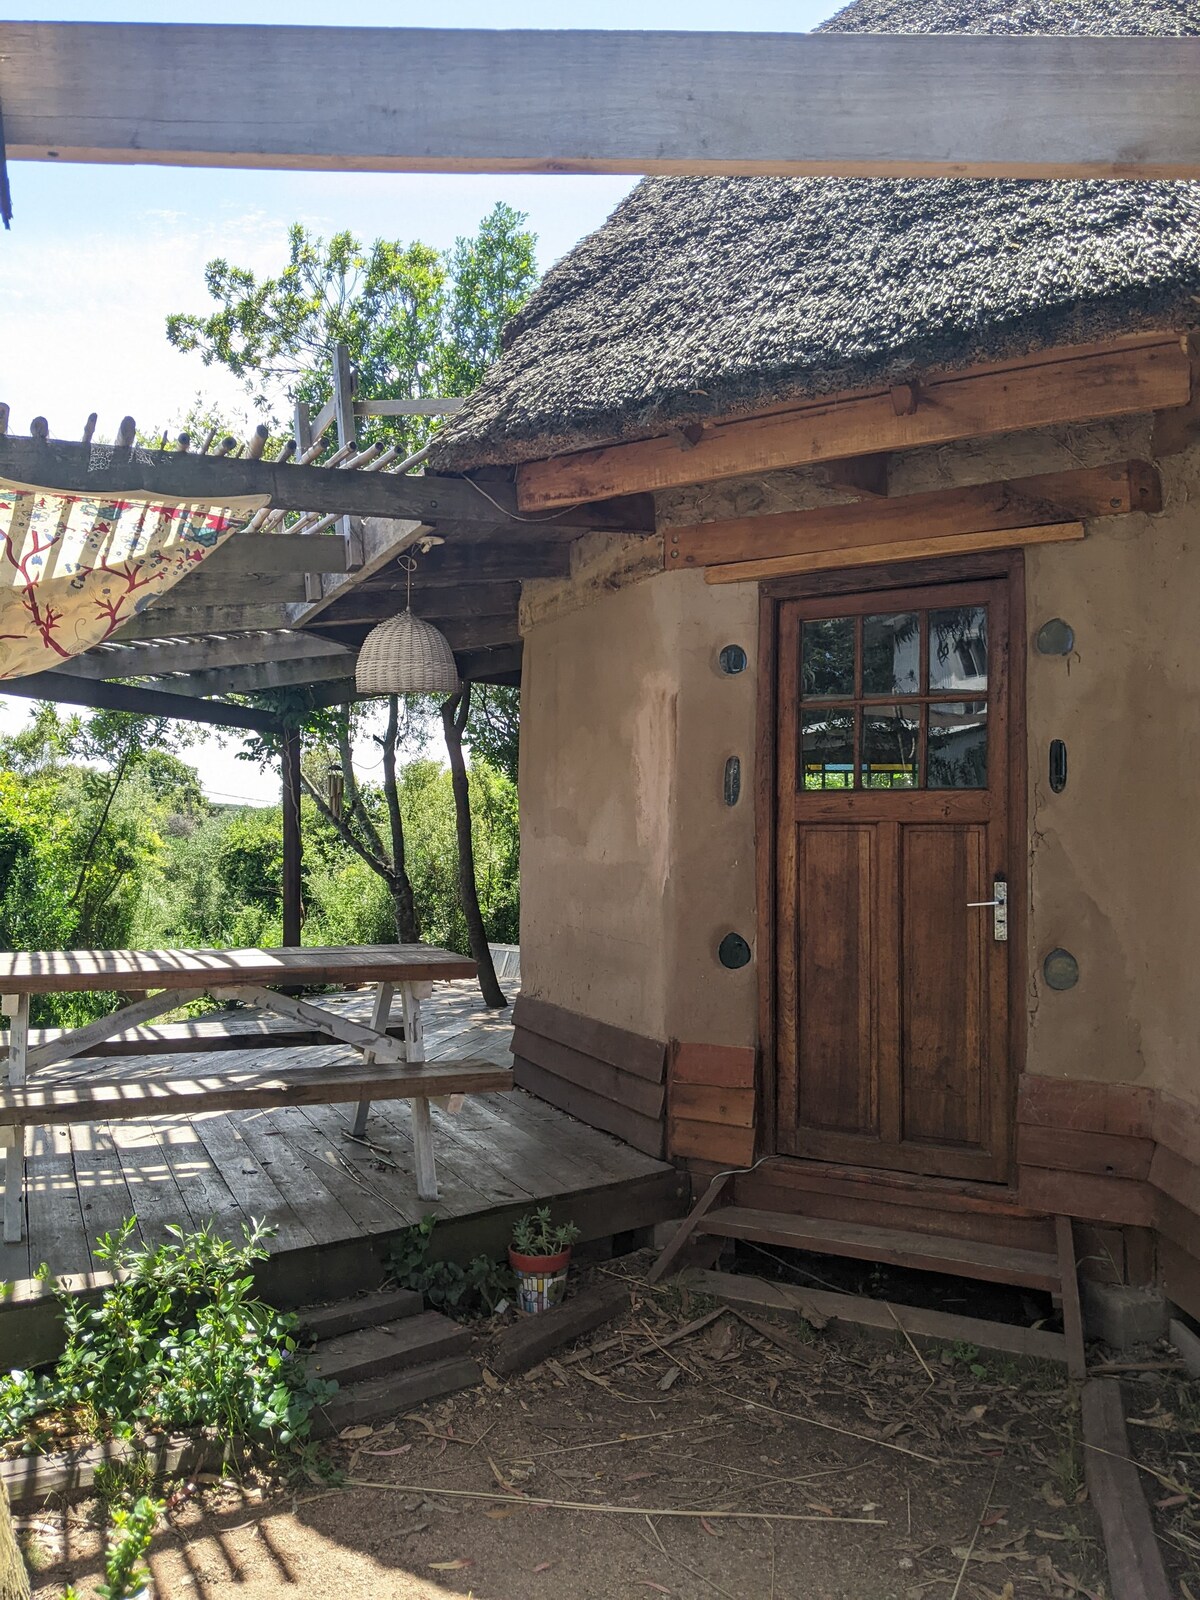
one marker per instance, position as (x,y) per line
(999,905)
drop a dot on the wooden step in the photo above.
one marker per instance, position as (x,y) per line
(364,1311)
(374,1352)
(960,1258)
(394,1394)
(39,1102)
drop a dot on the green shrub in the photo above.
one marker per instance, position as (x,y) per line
(177,1342)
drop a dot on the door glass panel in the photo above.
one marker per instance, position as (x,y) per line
(827,659)
(890,742)
(827,738)
(958,650)
(892,654)
(958,745)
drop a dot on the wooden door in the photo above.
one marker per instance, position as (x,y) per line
(891,982)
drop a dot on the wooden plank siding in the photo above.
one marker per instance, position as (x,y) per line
(606,1076)
(711,1101)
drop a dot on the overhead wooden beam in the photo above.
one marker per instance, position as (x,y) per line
(501,662)
(177,476)
(165,621)
(277,554)
(150,660)
(204,588)
(264,675)
(872,555)
(65,690)
(468,100)
(1108,384)
(1016,502)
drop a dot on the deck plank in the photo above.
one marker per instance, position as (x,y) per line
(284,1165)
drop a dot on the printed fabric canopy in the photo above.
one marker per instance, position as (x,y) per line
(74,569)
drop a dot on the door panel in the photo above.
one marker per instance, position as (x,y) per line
(943,983)
(835,957)
(892,806)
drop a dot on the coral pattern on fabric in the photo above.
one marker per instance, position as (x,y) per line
(73,569)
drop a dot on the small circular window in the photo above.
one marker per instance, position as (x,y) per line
(732,660)
(733,951)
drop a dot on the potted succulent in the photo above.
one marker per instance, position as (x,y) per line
(540,1254)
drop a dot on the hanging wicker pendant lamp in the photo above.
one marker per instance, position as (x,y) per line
(405,655)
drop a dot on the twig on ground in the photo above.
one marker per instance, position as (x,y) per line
(662,1344)
(911,1345)
(611,1510)
(830,1427)
(962,1571)
(679,1562)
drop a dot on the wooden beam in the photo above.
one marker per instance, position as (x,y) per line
(177,476)
(150,660)
(870,555)
(469,100)
(490,666)
(1083,389)
(863,475)
(408,408)
(277,554)
(375,601)
(144,702)
(203,588)
(1116,1490)
(1107,491)
(254,679)
(162,620)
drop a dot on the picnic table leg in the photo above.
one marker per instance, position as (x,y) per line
(380,1013)
(12,1140)
(17,1009)
(414,1050)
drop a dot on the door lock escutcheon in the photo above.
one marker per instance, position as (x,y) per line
(999,905)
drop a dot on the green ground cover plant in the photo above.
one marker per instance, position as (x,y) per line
(178,1342)
(475,1290)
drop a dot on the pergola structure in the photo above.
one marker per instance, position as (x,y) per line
(287,602)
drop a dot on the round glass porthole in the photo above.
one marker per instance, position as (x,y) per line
(1055,638)
(1061,970)
(733,951)
(732,660)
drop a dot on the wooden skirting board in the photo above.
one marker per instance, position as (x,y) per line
(606,1076)
(1073,388)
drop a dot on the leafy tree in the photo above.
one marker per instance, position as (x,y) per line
(493,728)
(417,321)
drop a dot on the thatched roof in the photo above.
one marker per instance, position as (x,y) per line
(705,297)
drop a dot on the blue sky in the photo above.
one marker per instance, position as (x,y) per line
(98,256)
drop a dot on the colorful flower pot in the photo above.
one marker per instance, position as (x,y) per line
(541,1280)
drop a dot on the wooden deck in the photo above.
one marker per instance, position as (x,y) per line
(333,1202)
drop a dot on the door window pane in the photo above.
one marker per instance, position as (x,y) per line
(890,738)
(892,654)
(827,659)
(827,739)
(958,649)
(958,745)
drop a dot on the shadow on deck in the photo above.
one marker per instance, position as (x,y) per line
(335,1204)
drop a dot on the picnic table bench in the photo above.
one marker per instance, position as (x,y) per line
(385,1067)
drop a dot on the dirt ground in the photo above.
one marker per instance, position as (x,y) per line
(814,1466)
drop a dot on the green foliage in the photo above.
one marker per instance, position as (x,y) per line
(494,727)
(474,1290)
(427,802)
(133,1529)
(417,321)
(178,1341)
(535,1235)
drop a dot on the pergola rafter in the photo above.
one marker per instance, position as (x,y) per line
(470,100)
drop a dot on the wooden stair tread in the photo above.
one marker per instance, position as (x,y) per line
(44,1101)
(364,1311)
(373,1352)
(966,1258)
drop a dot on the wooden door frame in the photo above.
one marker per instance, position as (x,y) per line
(1008,565)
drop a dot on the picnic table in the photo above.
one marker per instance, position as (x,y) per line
(384,1066)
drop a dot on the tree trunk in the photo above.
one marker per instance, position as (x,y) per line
(14,1580)
(454,720)
(404,909)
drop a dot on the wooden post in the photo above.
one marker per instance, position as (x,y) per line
(343,405)
(302,433)
(291,838)
(380,1013)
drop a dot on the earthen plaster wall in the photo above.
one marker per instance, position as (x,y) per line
(633,867)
